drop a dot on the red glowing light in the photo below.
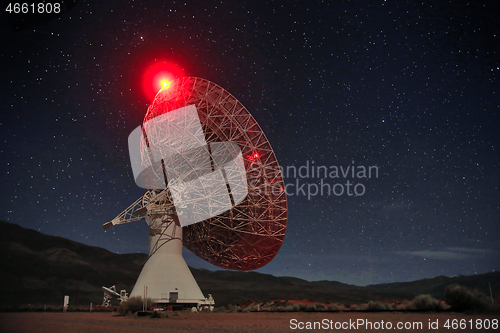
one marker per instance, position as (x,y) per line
(159,76)
(164,84)
(253,157)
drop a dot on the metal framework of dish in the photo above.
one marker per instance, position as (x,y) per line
(110,292)
(247,234)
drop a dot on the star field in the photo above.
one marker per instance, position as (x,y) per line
(410,87)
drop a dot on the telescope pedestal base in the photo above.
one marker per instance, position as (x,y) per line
(167,280)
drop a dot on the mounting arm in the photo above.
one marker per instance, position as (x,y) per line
(133,213)
(150,201)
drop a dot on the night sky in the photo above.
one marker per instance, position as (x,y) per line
(412,88)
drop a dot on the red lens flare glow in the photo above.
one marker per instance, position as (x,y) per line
(253,157)
(165,84)
(159,76)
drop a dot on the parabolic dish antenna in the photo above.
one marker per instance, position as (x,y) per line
(213,184)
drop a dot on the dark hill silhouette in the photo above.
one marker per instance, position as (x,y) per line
(41,269)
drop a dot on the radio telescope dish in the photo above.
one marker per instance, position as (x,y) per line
(213,185)
(110,292)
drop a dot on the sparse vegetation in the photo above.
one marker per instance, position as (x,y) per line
(378,306)
(336,307)
(234,308)
(47,308)
(426,303)
(252,308)
(39,308)
(406,305)
(282,306)
(285,308)
(132,305)
(220,309)
(310,308)
(359,307)
(460,298)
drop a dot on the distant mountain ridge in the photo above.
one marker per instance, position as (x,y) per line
(38,268)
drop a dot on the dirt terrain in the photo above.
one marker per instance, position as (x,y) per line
(39,322)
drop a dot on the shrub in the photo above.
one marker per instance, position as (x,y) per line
(252,308)
(284,308)
(336,307)
(378,306)
(426,303)
(132,305)
(310,308)
(234,308)
(320,307)
(220,309)
(359,307)
(460,298)
(406,305)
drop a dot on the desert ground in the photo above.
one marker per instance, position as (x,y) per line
(74,322)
